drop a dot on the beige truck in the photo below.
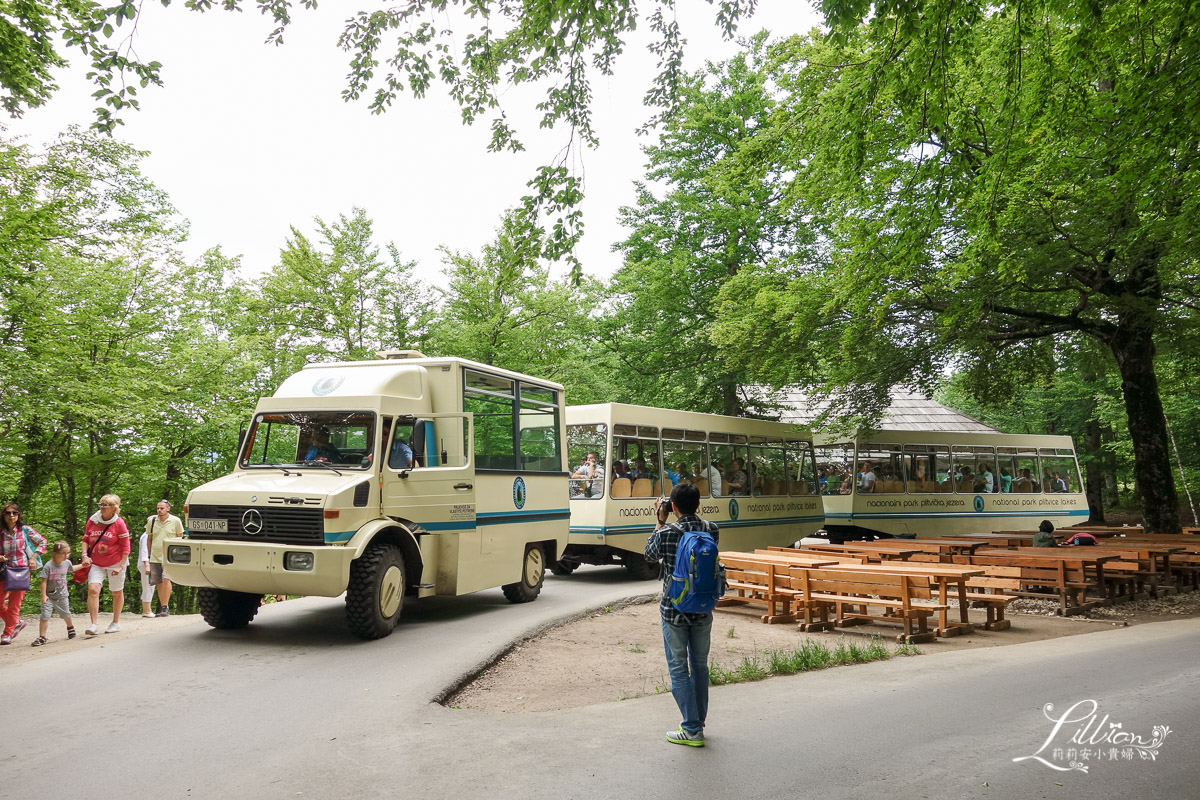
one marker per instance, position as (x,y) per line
(404,476)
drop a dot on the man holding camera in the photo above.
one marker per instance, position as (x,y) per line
(686,637)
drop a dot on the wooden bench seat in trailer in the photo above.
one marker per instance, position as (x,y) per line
(851,595)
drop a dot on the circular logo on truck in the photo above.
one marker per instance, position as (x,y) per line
(978,503)
(733,510)
(252,522)
(327,385)
(519,492)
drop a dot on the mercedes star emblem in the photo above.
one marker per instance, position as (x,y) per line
(252,522)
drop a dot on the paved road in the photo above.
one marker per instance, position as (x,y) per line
(293,707)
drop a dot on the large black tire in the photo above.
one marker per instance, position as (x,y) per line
(640,569)
(375,595)
(533,572)
(227,610)
(563,567)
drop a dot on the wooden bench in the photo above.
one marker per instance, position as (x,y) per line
(993,592)
(760,582)
(851,595)
(763,580)
(1066,579)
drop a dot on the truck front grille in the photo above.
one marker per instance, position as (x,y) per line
(284,525)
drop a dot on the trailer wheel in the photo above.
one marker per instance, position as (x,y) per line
(375,594)
(227,610)
(563,567)
(533,572)
(640,569)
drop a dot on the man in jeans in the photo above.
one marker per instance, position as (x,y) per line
(685,636)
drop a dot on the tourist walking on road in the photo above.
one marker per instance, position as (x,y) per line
(160,526)
(106,552)
(19,546)
(686,637)
(55,596)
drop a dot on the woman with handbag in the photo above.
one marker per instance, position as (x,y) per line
(106,554)
(17,541)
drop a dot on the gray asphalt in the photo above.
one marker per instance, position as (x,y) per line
(294,706)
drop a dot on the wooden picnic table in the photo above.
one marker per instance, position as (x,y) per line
(948,577)
(1002,539)
(872,549)
(934,545)
(1093,558)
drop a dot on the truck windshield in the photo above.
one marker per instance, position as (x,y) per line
(345,439)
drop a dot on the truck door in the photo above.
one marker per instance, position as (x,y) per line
(428,476)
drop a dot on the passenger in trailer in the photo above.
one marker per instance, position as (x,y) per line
(639,469)
(589,477)
(712,473)
(866,481)
(737,482)
(986,481)
(1006,481)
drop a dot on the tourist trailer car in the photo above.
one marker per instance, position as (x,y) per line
(403,476)
(613,515)
(939,483)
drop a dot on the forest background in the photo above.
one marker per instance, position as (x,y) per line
(1000,212)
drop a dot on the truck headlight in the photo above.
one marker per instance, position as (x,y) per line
(179,554)
(298,562)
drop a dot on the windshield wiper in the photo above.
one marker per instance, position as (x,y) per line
(325,464)
(278,466)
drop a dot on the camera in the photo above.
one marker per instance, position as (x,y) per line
(663,508)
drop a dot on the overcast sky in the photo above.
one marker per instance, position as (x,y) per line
(249,139)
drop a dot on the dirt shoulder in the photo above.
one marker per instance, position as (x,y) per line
(56,633)
(616,653)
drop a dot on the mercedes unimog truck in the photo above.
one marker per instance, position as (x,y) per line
(405,476)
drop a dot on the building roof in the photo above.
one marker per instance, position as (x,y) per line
(908,411)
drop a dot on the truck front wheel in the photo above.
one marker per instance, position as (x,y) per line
(375,595)
(227,610)
(533,572)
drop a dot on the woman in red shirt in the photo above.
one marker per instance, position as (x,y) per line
(106,551)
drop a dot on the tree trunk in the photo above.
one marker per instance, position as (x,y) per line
(35,466)
(1133,347)
(1093,472)
(170,491)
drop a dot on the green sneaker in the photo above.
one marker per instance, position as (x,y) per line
(683,737)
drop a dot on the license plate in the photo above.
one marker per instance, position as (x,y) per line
(209,525)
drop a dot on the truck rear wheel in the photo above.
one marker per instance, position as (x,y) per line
(227,610)
(375,595)
(533,572)
(639,568)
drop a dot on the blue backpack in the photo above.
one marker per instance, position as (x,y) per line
(698,581)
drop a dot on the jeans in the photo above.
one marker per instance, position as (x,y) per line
(10,609)
(687,661)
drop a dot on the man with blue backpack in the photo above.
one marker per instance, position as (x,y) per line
(693,581)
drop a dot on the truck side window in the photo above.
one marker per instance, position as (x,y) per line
(492,399)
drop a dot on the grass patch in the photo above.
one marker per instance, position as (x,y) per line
(810,656)
(732,633)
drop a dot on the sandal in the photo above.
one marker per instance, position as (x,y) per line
(70,633)
(39,641)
